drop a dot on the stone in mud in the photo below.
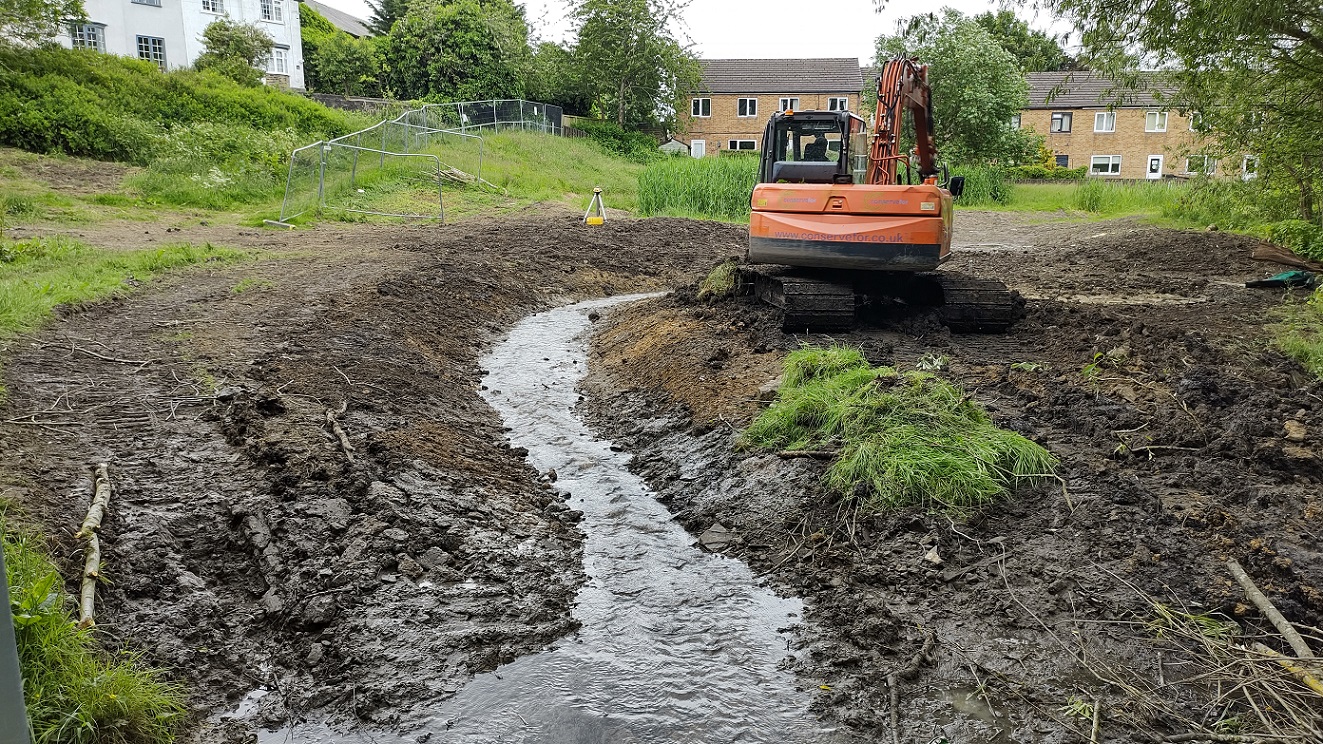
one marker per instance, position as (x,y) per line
(409,567)
(767,393)
(335,512)
(1295,431)
(320,611)
(395,534)
(435,558)
(716,538)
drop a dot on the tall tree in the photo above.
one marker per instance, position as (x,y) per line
(1252,69)
(554,77)
(385,13)
(634,67)
(458,50)
(35,21)
(235,50)
(977,86)
(1036,51)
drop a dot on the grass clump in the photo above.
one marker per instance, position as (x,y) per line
(901,438)
(39,274)
(702,188)
(1300,335)
(75,692)
(720,282)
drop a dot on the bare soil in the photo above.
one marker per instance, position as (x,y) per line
(245,548)
(1143,365)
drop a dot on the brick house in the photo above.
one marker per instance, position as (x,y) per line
(1140,139)
(738,96)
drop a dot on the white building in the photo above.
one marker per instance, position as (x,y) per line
(169,32)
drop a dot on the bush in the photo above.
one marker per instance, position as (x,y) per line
(984,185)
(639,147)
(1047,173)
(902,438)
(1305,238)
(716,188)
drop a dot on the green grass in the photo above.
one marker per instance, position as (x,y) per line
(251,285)
(39,274)
(1300,334)
(720,282)
(1090,198)
(705,188)
(75,692)
(901,438)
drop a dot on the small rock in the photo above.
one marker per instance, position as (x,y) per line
(932,557)
(395,534)
(1119,353)
(316,654)
(1295,431)
(435,558)
(409,567)
(321,610)
(551,475)
(715,538)
(594,316)
(767,393)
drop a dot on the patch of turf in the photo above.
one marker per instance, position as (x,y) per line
(1300,335)
(720,282)
(901,438)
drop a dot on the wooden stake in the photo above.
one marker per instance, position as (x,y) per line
(1284,627)
(340,434)
(92,554)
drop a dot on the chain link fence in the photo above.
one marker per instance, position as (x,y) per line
(422,149)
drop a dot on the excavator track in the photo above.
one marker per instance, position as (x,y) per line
(806,302)
(972,305)
(829,301)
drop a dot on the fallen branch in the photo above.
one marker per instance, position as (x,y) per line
(809,454)
(1269,611)
(905,672)
(89,352)
(92,559)
(339,432)
(1097,721)
(1286,662)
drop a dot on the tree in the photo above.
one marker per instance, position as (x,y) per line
(36,21)
(385,13)
(1036,51)
(1252,69)
(632,66)
(235,50)
(554,77)
(347,65)
(458,50)
(977,86)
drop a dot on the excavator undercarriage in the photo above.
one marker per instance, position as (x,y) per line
(833,300)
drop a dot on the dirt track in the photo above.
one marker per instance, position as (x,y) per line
(247,550)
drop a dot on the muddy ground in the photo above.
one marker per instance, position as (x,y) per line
(1143,365)
(247,549)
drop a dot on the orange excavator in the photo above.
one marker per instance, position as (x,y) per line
(843,221)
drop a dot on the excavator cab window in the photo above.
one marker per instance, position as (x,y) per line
(807,148)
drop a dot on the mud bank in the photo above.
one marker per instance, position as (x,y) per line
(1170,421)
(247,549)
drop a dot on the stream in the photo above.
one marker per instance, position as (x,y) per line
(676,645)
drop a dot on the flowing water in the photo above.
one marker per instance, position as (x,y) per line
(676,645)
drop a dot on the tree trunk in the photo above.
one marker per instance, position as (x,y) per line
(620,103)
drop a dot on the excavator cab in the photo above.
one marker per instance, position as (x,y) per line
(814,147)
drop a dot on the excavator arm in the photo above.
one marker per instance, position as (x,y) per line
(902,86)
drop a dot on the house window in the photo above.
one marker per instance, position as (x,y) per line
(742,145)
(279,62)
(838,104)
(213,6)
(273,10)
(1104,121)
(1201,164)
(1015,121)
(1105,165)
(88,36)
(748,107)
(152,49)
(701,107)
(1061,121)
(789,104)
(1155,121)
(1196,121)
(156,3)
(1249,168)
(1063,161)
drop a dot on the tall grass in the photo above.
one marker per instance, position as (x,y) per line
(985,186)
(76,693)
(705,188)
(901,438)
(39,274)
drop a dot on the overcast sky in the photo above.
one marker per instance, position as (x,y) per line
(764,28)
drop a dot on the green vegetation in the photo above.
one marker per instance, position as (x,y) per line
(251,285)
(715,188)
(39,274)
(235,50)
(1300,335)
(985,186)
(457,50)
(901,438)
(1265,211)
(205,139)
(77,694)
(720,282)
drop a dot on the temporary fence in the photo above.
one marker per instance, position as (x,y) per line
(427,146)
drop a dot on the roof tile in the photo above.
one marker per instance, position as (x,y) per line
(836,75)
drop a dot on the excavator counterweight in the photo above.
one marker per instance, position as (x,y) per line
(842,219)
